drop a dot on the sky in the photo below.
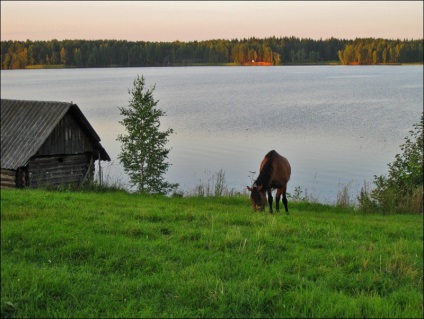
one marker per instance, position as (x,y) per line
(168,21)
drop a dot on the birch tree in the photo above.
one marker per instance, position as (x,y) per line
(143,152)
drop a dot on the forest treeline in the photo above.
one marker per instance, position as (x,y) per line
(269,51)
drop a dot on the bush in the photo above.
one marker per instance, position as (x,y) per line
(402,190)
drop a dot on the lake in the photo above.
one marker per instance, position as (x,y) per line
(337,125)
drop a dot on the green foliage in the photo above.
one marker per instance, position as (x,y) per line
(101,53)
(118,255)
(402,190)
(143,153)
(375,51)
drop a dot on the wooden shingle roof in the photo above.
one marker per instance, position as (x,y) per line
(25,126)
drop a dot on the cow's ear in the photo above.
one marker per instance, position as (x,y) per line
(249,188)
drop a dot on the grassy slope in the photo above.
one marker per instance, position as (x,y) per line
(119,255)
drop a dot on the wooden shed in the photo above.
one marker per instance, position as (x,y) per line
(47,144)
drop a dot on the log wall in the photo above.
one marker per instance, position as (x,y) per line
(8,178)
(57,170)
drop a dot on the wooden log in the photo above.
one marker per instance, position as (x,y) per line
(8,178)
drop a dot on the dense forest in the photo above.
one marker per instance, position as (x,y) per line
(268,51)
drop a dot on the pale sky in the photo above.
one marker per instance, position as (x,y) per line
(163,21)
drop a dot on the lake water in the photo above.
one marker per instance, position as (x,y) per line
(337,125)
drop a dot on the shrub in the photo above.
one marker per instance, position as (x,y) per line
(402,190)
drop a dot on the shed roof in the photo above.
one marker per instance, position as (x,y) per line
(25,126)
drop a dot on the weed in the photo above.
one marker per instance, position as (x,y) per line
(343,198)
(215,185)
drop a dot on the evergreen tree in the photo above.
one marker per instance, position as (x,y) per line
(143,151)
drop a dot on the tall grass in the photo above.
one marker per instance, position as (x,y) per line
(118,255)
(215,185)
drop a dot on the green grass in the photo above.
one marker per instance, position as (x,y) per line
(114,254)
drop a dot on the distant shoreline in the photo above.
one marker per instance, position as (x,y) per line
(333,63)
(246,52)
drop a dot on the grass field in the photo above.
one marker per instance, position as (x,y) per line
(91,255)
